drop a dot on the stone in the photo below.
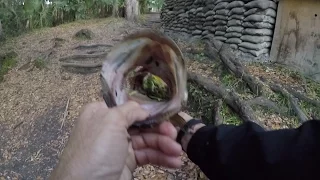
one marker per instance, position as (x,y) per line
(84,34)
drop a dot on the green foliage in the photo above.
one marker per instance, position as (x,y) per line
(18,16)
(230,118)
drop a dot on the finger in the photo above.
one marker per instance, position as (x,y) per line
(158,142)
(150,156)
(133,112)
(165,128)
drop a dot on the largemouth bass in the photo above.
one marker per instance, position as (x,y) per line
(138,55)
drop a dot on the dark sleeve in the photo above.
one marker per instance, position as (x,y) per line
(247,151)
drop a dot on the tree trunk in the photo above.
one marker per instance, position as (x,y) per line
(132,10)
(115,8)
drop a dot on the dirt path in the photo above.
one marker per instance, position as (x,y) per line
(33,130)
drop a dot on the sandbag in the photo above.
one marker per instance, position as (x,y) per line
(237,29)
(253,46)
(223,12)
(258,25)
(235,4)
(210,18)
(204,33)
(219,22)
(234,23)
(221,28)
(233,46)
(233,35)
(236,16)
(253,52)
(222,5)
(212,29)
(219,1)
(256,39)
(219,33)
(207,23)
(234,41)
(221,17)
(196,32)
(238,10)
(251,11)
(268,12)
(220,38)
(258,32)
(260,18)
(261,4)
(209,13)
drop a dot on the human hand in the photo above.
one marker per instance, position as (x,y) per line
(101,147)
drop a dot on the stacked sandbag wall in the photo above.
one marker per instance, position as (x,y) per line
(245,25)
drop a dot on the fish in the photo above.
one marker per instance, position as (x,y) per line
(127,64)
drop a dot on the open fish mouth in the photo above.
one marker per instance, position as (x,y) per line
(149,68)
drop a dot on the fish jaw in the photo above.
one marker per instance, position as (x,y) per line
(136,51)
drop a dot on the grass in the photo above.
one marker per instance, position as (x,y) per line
(201,104)
(7,62)
(39,63)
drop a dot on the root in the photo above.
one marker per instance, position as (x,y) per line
(92,46)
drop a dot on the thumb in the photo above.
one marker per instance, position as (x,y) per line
(133,112)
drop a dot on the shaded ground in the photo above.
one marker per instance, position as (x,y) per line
(38,92)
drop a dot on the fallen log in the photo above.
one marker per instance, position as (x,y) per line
(241,108)
(84,56)
(293,102)
(264,102)
(303,97)
(216,118)
(92,46)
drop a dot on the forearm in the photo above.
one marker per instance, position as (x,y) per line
(247,151)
